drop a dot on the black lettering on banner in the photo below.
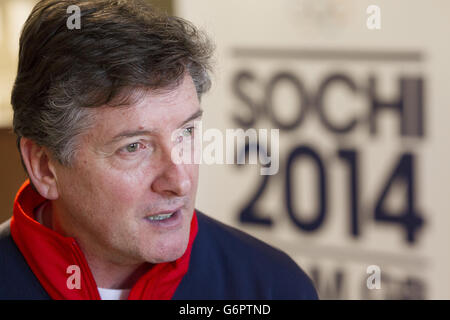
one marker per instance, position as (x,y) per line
(248,214)
(300,90)
(410,218)
(408,106)
(324,86)
(238,81)
(330,288)
(352,157)
(296,155)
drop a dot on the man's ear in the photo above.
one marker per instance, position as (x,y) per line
(40,167)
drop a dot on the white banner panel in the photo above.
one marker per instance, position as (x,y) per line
(359,92)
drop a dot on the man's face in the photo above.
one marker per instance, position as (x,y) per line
(123,174)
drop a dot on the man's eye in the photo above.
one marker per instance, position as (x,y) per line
(133,147)
(187,132)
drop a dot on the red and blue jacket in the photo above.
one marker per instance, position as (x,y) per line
(220,262)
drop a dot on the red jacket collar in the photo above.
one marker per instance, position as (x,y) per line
(49,254)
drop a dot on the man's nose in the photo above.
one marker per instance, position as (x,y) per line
(174,179)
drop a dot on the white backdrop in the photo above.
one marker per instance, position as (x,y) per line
(363,117)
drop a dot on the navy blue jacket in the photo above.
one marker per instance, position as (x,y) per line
(225,263)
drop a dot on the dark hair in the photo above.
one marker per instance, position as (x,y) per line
(122,45)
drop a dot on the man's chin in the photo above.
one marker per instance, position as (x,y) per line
(166,253)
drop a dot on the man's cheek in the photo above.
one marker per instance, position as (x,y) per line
(119,194)
(194,179)
(118,185)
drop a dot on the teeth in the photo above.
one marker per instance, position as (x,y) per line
(160,217)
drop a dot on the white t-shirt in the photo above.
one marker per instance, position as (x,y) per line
(113,294)
(105,294)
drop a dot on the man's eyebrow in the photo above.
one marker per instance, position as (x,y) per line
(195,115)
(133,133)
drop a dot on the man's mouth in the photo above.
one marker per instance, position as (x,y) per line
(161,217)
(166,219)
